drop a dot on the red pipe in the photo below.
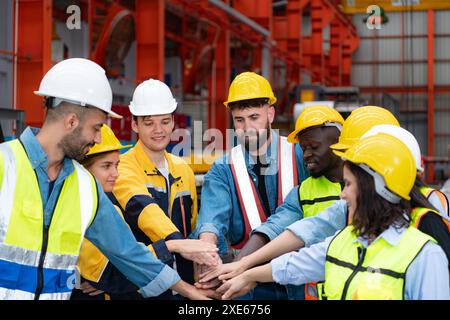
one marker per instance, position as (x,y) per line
(430,92)
(14,54)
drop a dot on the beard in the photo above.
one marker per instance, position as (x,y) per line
(73,145)
(253,141)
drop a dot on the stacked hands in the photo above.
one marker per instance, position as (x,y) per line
(226,280)
(215,279)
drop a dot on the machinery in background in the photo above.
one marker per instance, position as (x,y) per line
(343,99)
(8,130)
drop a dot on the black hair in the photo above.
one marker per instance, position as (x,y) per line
(250,103)
(374,214)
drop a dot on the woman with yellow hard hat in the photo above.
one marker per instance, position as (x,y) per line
(315,228)
(100,280)
(102,161)
(363,121)
(379,255)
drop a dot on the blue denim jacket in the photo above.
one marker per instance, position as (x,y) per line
(220,211)
(108,231)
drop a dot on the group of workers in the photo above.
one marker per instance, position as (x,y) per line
(336,210)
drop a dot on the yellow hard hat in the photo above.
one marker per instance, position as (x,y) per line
(388,157)
(249,85)
(109,142)
(313,116)
(359,122)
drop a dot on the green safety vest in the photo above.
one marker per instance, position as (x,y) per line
(317,194)
(38,262)
(374,273)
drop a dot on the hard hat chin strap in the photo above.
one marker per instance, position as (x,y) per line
(52,102)
(380,185)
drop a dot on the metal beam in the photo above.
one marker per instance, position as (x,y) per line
(239,16)
(430,117)
(149,39)
(34,44)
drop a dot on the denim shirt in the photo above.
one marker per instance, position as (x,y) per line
(108,231)
(427,276)
(287,213)
(220,211)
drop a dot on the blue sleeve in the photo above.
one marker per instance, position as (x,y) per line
(162,252)
(302,171)
(216,207)
(286,214)
(113,237)
(315,229)
(427,277)
(304,266)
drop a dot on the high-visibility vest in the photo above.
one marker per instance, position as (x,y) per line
(377,272)
(418,213)
(316,194)
(38,262)
(427,192)
(252,210)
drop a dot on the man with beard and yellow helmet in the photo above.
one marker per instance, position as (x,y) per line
(243,188)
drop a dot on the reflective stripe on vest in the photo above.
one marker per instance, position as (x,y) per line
(252,209)
(372,273)
(92,262)
(287,173)
(317,194)
(427,192)
(22,229)
(418,213)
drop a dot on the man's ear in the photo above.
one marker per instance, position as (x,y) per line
(271,113)
(173,122)
(134,125)
(71,121)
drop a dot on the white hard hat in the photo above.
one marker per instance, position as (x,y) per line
(401,134)
(79,81)
(152,97)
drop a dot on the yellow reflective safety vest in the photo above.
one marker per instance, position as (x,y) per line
(317,194)
(377,272)
(38,262)
(418,213)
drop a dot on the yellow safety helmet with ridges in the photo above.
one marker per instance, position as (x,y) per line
(387,157)
(314,116)
(250,85)
(359,122)
(109,142)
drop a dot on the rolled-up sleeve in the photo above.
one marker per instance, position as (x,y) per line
(315,229)
(286,214)
(113,237)
(303,266)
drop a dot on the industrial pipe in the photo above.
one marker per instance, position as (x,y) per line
(233,12)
